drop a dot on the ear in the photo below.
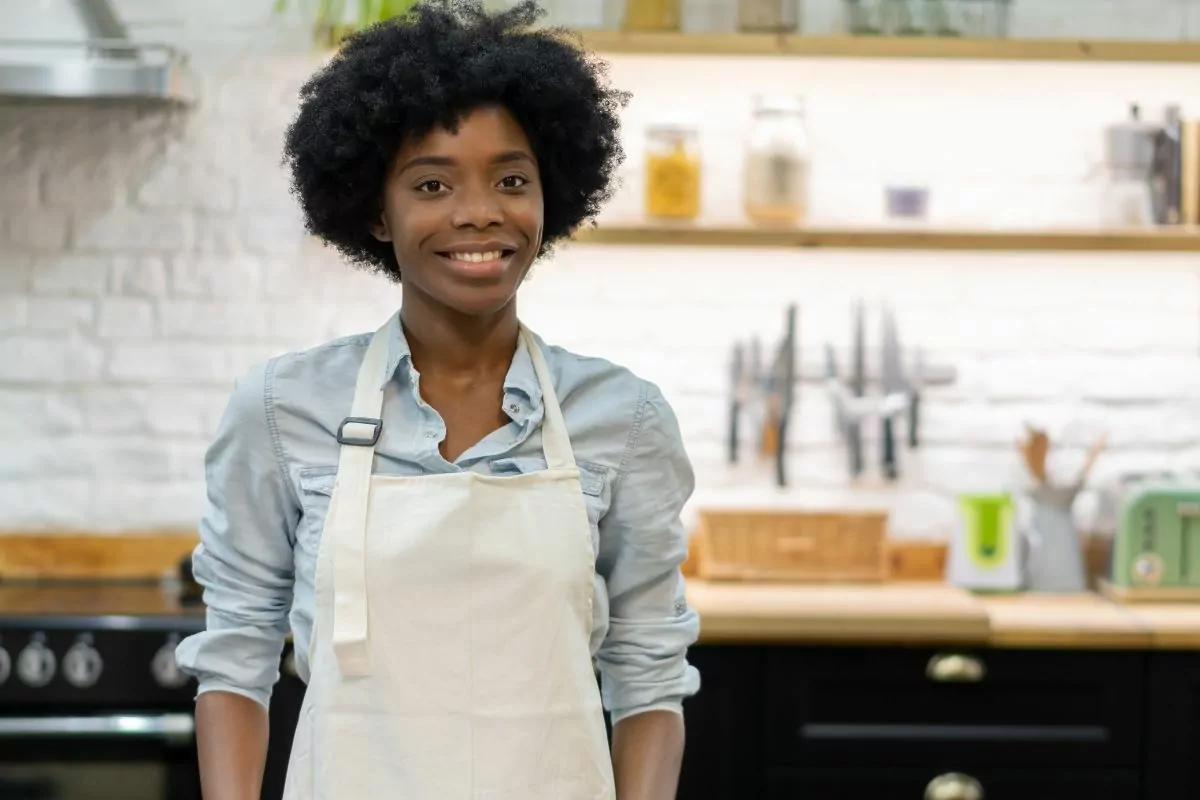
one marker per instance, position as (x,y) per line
(380,229)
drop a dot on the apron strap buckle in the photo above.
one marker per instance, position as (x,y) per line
(360,431)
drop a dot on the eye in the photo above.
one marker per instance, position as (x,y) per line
(431,186)
(513,182)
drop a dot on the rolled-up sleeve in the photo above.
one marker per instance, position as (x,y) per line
(643,658)
(244,558)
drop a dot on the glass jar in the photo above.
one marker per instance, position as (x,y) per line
(777,162)
(651,15)
(767,16)
(673,172)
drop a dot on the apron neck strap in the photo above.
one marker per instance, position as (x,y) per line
(368,400)
(556,444)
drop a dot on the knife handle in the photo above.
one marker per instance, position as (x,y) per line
(780,451)
(914,418)
(889,449)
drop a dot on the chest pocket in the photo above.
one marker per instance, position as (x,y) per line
(316,490)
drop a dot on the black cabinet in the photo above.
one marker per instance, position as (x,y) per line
(722,758)
(1172,749)
(844,723)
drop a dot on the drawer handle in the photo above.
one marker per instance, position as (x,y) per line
(954,786)
(955,668)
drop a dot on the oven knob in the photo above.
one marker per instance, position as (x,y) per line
(82,665)
(35,665)
(165,669)
(5,665)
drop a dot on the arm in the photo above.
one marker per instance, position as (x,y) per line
(647,754)
(244,562)
(643,658)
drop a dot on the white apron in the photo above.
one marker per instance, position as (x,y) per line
(450,655)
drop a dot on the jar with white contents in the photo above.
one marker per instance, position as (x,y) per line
(777,162)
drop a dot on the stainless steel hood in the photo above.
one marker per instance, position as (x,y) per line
(87,56)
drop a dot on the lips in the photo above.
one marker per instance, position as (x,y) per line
(478,259)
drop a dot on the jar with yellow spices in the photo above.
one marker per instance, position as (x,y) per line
(673,172)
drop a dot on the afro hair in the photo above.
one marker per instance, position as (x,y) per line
(395,81)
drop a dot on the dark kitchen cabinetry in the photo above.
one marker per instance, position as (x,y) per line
(1173,727)
(852,723)
(782,722)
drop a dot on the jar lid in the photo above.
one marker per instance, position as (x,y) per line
(671,127)
(779,103)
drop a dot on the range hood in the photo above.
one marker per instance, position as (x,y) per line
(80,50)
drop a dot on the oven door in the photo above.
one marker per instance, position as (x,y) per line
(135,756)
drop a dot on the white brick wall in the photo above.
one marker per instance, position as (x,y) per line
(147,258)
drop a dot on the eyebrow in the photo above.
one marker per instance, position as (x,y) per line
(445,161)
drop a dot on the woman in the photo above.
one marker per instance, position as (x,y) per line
(456,520)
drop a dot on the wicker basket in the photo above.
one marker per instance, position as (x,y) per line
(791,546)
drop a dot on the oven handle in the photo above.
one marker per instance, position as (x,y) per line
(172,728)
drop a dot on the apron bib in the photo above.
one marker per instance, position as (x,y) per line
(450,652)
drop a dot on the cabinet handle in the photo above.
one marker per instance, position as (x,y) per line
(954,786)
(955,668)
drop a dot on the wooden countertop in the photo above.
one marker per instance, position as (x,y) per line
(935,613)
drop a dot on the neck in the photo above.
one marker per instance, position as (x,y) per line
(446,342)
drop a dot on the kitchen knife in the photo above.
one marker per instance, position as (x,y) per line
(754,392)
(915,386)
(892,378)
(737,367)
(858,380)
(835,390)
(787,390)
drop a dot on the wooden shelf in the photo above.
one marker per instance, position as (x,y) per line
(746,44)
(1152,240)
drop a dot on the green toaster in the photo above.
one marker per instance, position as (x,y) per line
(1157,540)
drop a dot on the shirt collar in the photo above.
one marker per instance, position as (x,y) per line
(520,377)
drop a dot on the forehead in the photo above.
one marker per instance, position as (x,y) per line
(480,132)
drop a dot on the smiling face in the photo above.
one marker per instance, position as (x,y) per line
(463,212)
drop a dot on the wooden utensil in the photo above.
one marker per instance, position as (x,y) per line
(1034,448)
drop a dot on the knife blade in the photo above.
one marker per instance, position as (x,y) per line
(831,380)
(736,370)
(857,388)
(892,377)
(787,384)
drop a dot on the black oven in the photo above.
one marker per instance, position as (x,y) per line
(95,708)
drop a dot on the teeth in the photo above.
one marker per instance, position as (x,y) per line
(476,258)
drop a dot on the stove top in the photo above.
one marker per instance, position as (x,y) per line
(103,643)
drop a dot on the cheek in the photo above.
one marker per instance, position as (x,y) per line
(413,222)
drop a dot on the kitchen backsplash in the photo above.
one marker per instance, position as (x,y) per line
(147,258)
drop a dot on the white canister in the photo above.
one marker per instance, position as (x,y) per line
(777,161)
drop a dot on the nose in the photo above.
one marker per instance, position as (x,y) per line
(477,207)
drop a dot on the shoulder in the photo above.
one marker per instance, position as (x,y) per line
(311,364)
(307,385)
(586,380)
(602,399)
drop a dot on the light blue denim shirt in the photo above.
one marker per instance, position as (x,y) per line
(270,474)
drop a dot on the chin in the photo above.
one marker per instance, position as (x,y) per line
(479,302)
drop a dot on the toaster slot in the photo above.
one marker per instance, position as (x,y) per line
(1189,543)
